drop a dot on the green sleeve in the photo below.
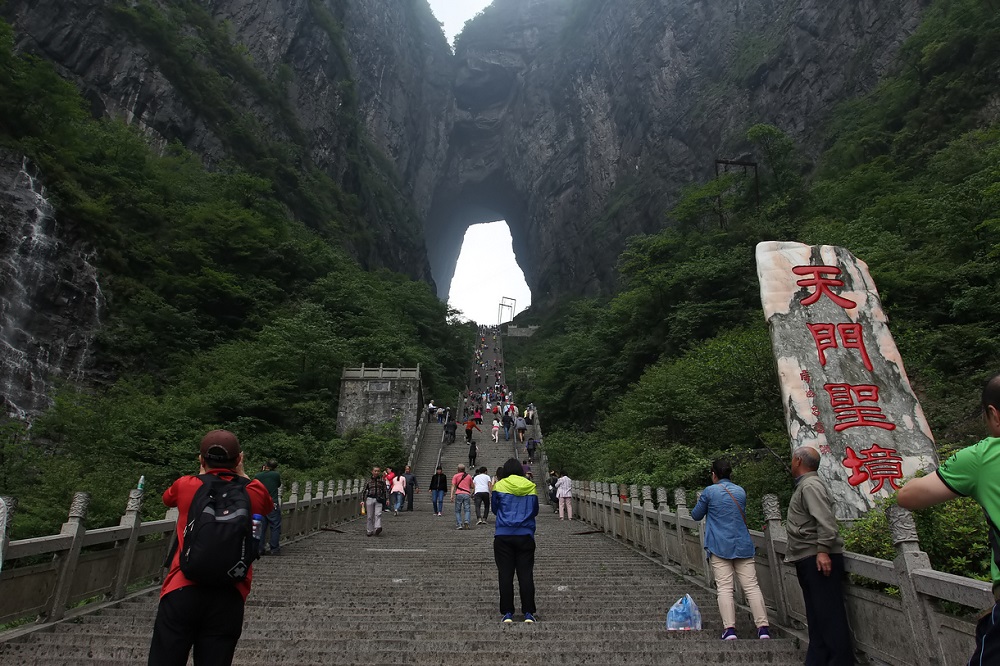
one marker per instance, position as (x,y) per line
(960,471)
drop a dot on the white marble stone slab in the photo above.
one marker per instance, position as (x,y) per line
(857,408)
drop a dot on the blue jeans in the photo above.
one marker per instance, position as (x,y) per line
(463,505)
(397,501)
(506,433)
(437,500)
(272,520)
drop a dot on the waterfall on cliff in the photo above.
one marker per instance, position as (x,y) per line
(50,299)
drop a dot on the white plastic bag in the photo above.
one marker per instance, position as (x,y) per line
(684,615)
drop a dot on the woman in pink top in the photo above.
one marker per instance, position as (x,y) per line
(398,492)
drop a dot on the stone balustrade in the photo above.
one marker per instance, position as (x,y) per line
(44,576)
(906,629)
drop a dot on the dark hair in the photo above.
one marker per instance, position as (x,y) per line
(991,393)
(722,468)
(272,464)
(511,468)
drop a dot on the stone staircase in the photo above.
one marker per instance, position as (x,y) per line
(598,601)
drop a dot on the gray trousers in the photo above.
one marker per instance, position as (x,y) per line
(373,508)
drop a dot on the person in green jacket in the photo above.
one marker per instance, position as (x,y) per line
(972,472)
(515,506)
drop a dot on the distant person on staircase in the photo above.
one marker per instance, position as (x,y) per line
(729,548)
(521,427)
(469,425)
(439,484)
(374,492)
(495,431)
(461,495)
(271,479)
(208,618)
(411,486)
(431,411)
(483,485)
(398,493)
(529,448)
(564,493)
(508,422)
(473,450)
(515,506)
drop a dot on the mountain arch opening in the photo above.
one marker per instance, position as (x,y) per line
(467,220)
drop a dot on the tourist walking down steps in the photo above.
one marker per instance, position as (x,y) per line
(374,492)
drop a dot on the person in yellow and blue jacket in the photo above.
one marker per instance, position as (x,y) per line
(515,506)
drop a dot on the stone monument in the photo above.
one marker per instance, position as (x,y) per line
(843,386)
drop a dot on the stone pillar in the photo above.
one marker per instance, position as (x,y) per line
(68,559)
(294,512)
(330,489)
(340,487)
(661,522)
(680,499)
(616,505)
(132,520)
(706,566)
(647,507)
(576,501)
(635,526)
(321,508)
(919,613)
(308,510)
(775,533)
(607,515)
(7,507)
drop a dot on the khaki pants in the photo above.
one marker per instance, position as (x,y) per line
(724,571)
(566,503)
(373,509)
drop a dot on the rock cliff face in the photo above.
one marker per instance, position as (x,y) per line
(576,121)
(310,71)
(579,122)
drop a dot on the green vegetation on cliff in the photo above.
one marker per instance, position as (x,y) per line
(223,311)
(676,368)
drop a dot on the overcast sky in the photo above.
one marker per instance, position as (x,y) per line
(486,269)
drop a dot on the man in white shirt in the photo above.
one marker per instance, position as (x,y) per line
(483,486)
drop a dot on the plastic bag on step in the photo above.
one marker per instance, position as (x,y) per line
(684,615)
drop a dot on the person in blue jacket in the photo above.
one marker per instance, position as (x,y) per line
(515,506)
(729,548)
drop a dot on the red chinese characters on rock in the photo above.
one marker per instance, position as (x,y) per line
(875,464)
(822,284)
(825,336)
(845,400)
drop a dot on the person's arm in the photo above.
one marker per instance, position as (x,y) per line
(818,506)
(170,495)
(924,492)
(701,506)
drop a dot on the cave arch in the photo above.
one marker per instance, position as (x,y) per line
(460,205)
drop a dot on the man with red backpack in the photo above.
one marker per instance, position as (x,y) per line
(205,589)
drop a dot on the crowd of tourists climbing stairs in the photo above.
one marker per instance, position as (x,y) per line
(425,592)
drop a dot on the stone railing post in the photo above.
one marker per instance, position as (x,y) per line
(320,507)
(706,566)
(294,512)
(7,507)
(647,506)
(616,505)
(132,520)
(919,613)
(774,532)
(600,498)
(661,522)
(635,507)
(307,508)
(680,499)
(69,559)
(576,499)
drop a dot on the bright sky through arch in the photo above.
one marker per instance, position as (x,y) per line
(486,270)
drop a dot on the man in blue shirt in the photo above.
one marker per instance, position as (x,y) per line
(729,548)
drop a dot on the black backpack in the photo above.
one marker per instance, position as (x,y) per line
(218,539)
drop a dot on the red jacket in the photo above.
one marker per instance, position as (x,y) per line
(180,495)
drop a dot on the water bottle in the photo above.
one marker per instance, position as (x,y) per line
(258,525)
(142,482)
